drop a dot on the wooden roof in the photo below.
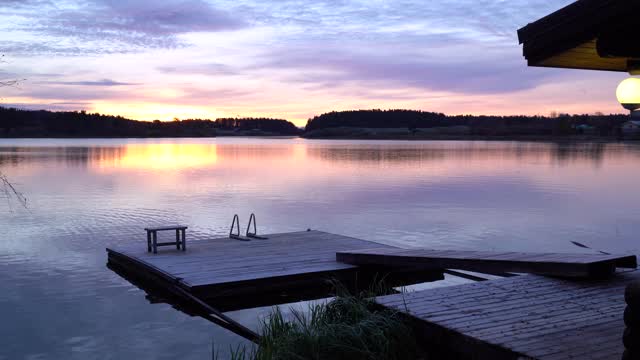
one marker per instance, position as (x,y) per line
(588,34)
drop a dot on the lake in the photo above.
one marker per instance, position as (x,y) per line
(59,301)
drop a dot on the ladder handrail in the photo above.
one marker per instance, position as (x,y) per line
(254,234)
(236,222)
(255,229)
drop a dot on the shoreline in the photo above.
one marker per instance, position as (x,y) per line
(555,139)
(149,137)
(568,139)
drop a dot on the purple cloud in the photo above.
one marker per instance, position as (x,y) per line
(103,82)
(115,26)
(210,69)
(52,106)
(461,46)
(50,92)
(331,66)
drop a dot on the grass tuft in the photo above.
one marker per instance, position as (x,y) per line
(347,327)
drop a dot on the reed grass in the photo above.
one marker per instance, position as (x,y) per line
(347,327)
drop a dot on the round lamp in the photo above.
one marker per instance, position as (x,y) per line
(628,94)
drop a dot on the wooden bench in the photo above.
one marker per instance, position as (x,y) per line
(152,237)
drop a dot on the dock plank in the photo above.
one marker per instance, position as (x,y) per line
(567,265)
(528,316)
(222,268)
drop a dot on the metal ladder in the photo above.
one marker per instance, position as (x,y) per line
(235,225)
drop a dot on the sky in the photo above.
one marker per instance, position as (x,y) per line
(291,59)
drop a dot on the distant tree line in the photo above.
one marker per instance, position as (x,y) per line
(557,125)
(41,123)
(279,126)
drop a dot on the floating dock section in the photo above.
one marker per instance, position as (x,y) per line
(553,264)
(576,314)
(523,317)
(230,274)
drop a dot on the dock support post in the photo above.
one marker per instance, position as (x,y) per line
(155,241)
(632,321)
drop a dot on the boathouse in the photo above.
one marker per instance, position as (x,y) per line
(588,34)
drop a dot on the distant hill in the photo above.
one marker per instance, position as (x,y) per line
(410,123)
(29,123)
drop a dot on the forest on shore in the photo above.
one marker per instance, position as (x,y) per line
(78,124)
(373,124)
(422,124)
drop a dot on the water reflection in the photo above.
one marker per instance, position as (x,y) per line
(560,153)
(185,155)
(145,156)
(59,300)
(154,156)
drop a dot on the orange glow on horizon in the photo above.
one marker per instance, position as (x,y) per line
(298,105)
(154,111)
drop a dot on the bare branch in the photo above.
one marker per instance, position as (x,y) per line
(11,192)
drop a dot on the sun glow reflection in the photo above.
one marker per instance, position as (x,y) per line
(162,156)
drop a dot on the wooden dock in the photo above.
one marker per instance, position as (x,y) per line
(555,264)
(522,317)
(577,314)
(229,274)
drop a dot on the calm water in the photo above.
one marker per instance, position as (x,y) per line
(59,301)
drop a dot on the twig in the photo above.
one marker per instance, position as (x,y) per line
(10,191)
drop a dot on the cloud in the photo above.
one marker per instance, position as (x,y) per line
(141,23)
(197,96)
(349,53)
(52,106)
(116,26)
(65,93)
(62,48)
(112,26)
(460,46)
(23,3)
(367,19)
(103,82)
(210,69)
(85,92)
(481,70)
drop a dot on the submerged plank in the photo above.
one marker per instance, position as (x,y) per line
(567,265)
